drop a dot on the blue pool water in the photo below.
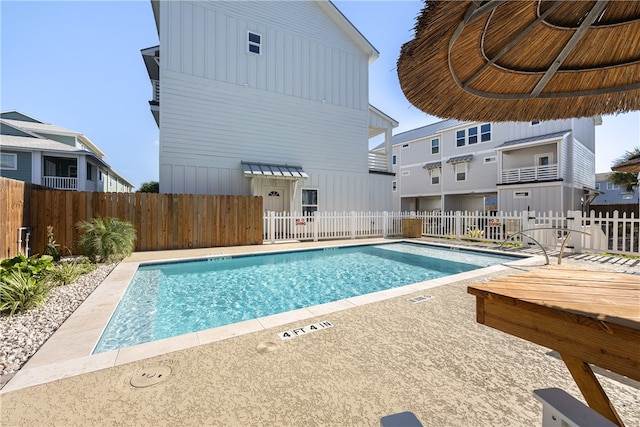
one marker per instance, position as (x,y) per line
(166,300)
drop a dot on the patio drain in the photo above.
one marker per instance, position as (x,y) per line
(266,347)
(150,376)
(420,298)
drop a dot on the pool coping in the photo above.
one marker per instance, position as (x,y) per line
(68,351)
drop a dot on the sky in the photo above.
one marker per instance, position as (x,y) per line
(78,65)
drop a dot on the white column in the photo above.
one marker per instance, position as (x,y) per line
(36,167)
(387,144)
(82,172)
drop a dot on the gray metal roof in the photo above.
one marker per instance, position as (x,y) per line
(273,171)
(460,159)
(425,131)
(40,127)
(37,144)
(534,138)
(432,165)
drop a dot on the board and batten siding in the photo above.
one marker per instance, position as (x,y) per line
(302,102)
(303,53)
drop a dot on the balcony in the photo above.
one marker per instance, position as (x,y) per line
(60,182)
(530,174)
(378,162)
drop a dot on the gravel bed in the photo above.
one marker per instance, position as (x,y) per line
(22,334)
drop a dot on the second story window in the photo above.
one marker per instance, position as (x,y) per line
(394,159)
(89,172)
(473,136)
(460,138)
(435,146)
(394,186)
(597,186)
(255,43)
(485,132)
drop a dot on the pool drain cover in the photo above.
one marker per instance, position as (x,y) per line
(150,376)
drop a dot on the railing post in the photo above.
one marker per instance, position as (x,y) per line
(458,225)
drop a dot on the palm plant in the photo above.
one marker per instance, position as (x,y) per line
(626,180)
(107,239)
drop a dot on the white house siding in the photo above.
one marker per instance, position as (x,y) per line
(542,198)
(584,131)
(303,54)
(380,194)
(512,131)
(302,102)
(583,164)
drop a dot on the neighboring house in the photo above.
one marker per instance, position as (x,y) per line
(503,166)
(48,155)
(613,194)
(268,99)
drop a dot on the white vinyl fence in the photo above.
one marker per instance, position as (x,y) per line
(612,234)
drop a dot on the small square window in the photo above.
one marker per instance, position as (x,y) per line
(490,159)
(535,122)
(435,146)
(405,146)
(255,43)
(406,173)
(9,161)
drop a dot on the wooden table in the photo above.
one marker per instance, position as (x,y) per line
(588,316)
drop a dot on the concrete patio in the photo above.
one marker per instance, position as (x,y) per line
(380,358)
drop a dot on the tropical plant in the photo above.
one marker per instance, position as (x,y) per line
(626,180)
(106,239)
(52,247)
(20,291)
(149,187)
(66,272)
(36,265)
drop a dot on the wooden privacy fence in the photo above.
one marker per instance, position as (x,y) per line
(162,221)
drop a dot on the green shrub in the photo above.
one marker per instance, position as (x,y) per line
(106,239)
(36,265)
(66,272)
(19,291)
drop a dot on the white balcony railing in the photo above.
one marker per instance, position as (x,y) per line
(528,174)
(378,162)
(60,182)
(156,90)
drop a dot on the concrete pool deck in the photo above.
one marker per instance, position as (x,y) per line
(383,355)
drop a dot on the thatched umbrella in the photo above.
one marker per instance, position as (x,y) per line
(523,60)
(631,165)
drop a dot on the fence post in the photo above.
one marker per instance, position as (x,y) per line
(352,224)
(385,224)
(458,225)
(272,226)
(575,222)
(316,218)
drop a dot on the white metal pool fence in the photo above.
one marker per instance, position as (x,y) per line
(597,233)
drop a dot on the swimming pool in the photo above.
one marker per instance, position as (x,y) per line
(171,299)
